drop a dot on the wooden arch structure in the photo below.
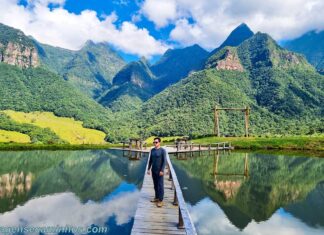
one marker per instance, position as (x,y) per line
(246,110)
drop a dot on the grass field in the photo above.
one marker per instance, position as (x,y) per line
(13,136)
(163,139)
(67,129)
(293,143)
(29,146)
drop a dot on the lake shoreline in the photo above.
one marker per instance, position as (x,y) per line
(273,144)
(303,143)
(18,147)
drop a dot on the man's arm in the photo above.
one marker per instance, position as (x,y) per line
(163,160)
(150,162)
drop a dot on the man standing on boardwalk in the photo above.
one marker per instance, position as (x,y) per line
(157,162)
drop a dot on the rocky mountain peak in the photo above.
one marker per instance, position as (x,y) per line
(226,59)
(16,48)
(236,37)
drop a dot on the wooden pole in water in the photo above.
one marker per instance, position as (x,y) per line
(246,165)
(216,158)
(216,122)
(247,112)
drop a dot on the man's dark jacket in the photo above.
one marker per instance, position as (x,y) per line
(157,160)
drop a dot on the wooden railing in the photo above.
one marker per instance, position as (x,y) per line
(192,146)
(185,221)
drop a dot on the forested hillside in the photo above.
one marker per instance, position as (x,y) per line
(90,69)
(284,92)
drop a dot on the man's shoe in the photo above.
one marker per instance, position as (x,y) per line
(159,204)
(154,200)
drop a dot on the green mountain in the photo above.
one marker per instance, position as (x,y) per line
(138,81)
(34,88)
(236,37)
(132,85)
(90,69)
(311,45)
(37,89)
(177,64)
(54,58)
(283,90)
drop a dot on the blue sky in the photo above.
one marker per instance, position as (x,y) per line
(150,27)
(125,10)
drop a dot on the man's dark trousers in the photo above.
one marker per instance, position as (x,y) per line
(158,185)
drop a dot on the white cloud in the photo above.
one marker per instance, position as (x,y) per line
(160,12)
(210,219)
(61,28)
(60,209)
(212,20)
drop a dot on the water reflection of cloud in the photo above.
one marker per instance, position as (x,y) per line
(210,219)
(66,209)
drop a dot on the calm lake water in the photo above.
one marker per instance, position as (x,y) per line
(69,188)
(241,193)
(226,194)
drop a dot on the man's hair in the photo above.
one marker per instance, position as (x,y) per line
(158,138)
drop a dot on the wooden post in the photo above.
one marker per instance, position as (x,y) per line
(247,112)
(199,147)
(246,165)
(180,224)
(215,163)
(175,199)
(216,122)
(169,172)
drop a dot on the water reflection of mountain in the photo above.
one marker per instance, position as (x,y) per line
(126,169)
(311,209)
(89,174)
(273,182)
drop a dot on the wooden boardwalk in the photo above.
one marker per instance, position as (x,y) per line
(149,219)
(185,148)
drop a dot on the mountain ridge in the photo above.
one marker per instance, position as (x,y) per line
(311,46)
(236,37)
(89,69)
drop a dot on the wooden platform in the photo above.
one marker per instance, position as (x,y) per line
(149,219)
(185,148)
